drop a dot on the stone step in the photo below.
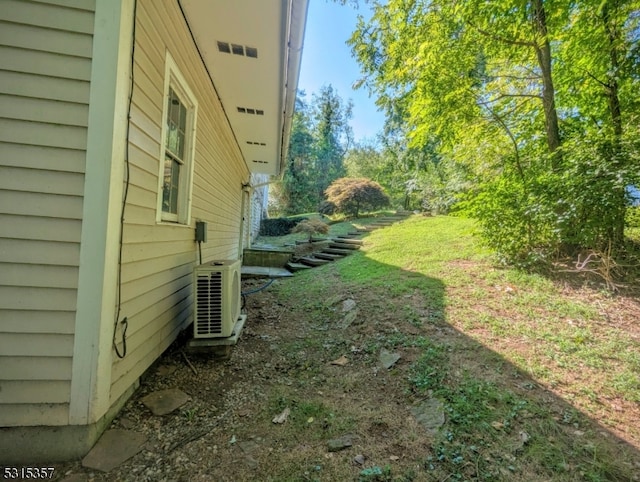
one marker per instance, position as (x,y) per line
(313,261)
(344,246)
(293,267)
(264,271)
(327,256)
(343,252)
(359,242)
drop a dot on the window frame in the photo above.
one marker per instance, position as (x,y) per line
(174,80)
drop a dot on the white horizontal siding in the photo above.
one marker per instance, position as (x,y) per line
(45,111)
(46,345)
(26,36)
(39,276)
(33,321)
(45,63)
(39,228)
(53,15)
(52,414)
(45,68)
(39,157)
(158,259)
(32,368)
(34,391)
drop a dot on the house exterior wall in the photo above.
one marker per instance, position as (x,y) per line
(259,201)
(60,200)
(45,71)
(158,257)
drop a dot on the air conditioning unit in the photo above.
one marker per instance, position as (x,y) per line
(216,298)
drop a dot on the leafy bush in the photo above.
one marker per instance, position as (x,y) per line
(536,213)
(311,227)
(279,226)
(514,219)
(633,217)
(352,195)
(327,208)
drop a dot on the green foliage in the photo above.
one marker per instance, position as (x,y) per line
(530,107)
(633,217)
(353,195)
(311,227)
(320,136)
(583,204)
(278,226)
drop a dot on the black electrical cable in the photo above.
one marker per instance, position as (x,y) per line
(266,285)
(125,321)
(244,294)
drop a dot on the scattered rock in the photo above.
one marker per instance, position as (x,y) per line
(388,359)
(348,305)
(113,448)
(248,446)
(127,423)
(166,370)
(250,462)
(282,417)
(359,459)
(341,443)
(349,319)
(429,414)
(342,361)
(332,300)
(394,458)
(163,402)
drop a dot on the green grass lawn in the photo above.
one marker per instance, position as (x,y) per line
(538,377)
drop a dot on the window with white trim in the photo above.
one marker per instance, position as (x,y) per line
(178,146)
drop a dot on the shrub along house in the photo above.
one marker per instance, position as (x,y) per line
(123,123)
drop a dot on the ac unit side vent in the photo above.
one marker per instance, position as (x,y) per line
(209,304)
(216,298)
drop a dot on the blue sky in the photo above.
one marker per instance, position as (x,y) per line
(326,59)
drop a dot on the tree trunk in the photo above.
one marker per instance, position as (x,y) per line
(543,53)
(612,89)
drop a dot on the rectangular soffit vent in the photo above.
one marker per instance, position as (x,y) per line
(247,110)
(260,162)
(237,49)
(254,143)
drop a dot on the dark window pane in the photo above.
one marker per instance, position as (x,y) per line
(183,117)
(170,185)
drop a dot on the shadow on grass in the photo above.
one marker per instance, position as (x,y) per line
(499,422)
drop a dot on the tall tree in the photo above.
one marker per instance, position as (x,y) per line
(332,136)
(320,138)
(297,191)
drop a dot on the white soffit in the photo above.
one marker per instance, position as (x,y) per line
(244,46)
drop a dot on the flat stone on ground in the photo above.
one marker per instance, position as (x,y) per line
(165,401)
(113,448)
(348,305)
(340,443)
(429,414)
(388,359)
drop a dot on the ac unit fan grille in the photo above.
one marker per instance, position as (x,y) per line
(209,314)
